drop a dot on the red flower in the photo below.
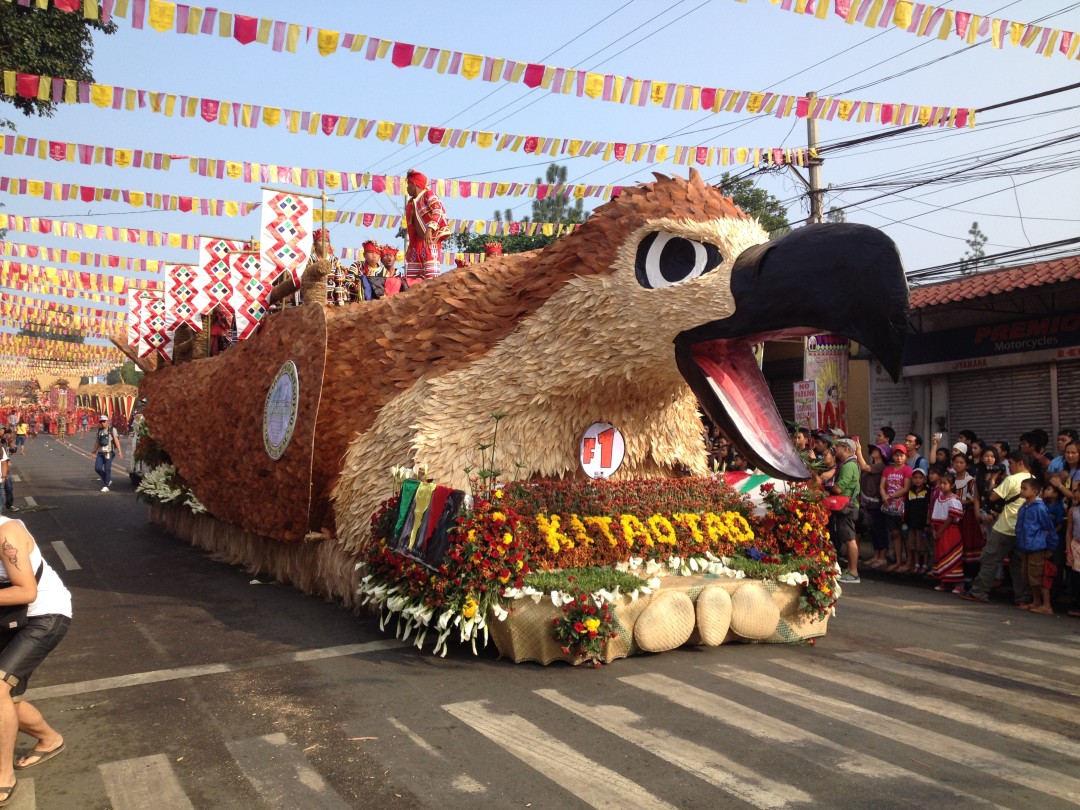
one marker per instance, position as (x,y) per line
(579,627)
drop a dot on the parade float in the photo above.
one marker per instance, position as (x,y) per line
(447,455)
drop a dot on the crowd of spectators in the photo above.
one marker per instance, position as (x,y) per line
(974,516)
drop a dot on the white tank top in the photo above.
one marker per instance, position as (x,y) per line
(52,596)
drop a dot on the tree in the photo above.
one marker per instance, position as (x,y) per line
(44,332)
(128,374)
(835,215)
(48,42)
(976,243)
(756,202)
(556,208)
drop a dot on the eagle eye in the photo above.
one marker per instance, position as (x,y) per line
(664,259)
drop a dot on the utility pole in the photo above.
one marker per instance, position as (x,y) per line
(814,187)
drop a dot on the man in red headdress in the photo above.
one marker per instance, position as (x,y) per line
(388,256)
(368,274)
(427,226)
(493,250)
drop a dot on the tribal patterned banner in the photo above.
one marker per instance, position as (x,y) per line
(286,234)
(213,282)
(249,294)
(182,294)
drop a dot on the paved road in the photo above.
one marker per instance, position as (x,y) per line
(184,685)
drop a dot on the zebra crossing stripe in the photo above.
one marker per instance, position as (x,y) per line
(590,781)
(1044,646)
(1022,679)
(135,784)
(1058,743)
(66,557)
(704,763)
(794,740)
(281,774)
(1009,768)
(1068,669)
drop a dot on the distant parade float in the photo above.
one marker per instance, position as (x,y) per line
(513,450)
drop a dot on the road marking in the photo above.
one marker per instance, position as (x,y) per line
(699,761)
(590,781)
(1068,669)
(1023,680)
(1007,768)
(1044,646)
(61,549)
(30,500)
(282,775)
(135,784)
(417,740)
(15,477)
(179,673)
(1058,743)
(813,748)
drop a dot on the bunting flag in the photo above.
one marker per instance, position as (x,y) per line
(89,8)
(484,226)
(394,185)
(38,347)
(610,87)
(49,254)
(79,230)
(95,282)
(136,199)
(246,114)
(286,234)
(61,292)
(926,20)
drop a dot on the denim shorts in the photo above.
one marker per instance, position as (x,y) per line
(25,649)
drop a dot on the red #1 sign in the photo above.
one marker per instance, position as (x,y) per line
(602,450)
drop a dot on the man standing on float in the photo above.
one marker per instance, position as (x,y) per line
(427,226)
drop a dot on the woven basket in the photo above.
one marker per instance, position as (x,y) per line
(666,623)
(754,614)
(713,611)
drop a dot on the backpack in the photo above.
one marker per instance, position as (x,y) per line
(104,438)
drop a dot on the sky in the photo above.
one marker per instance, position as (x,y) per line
(752,45)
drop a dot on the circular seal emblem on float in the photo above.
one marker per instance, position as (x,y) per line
(279,412)
(602,450)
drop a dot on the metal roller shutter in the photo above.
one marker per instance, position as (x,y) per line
(1000,404)
(781,376)
(1069,395)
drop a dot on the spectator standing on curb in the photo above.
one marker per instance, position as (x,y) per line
(945,516)
(107,442)
(870,504)
(1064,439)
(1001,542)
(895,483)
(913,443)
(1036,540)
(846,483)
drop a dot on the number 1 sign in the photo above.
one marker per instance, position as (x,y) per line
(602,450)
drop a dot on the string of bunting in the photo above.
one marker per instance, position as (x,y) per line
(29,344)
(137,199)
(82,257)
(60,292)
(80,230)
(90,283)
(29,298)
(925,20)
(89,154)
(610,87)
(249,115)
(485,226)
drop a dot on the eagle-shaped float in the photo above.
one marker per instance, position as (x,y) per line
(646,312)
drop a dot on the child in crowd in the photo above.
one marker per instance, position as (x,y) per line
(1035,540)
(945,516)
(971,534)
(1058,516)
(895,483)
(916,512)
(870,504)
(1072,560)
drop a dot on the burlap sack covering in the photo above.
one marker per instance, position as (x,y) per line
(525,635)
(754,614)
(666,623)
(713,611)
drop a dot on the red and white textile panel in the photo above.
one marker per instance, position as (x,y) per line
(287,225)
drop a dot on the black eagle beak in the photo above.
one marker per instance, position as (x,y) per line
(841,278)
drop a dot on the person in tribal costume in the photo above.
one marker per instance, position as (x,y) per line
(369,274)
(388,257)
(337,290)
(427,226)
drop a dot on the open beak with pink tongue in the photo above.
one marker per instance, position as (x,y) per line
(842,278)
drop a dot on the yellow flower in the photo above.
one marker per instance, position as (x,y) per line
(592,625)
(499,494)
(499,516)
(468,610)
(508,539)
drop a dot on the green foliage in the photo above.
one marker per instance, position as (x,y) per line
(555,208)
(588,580)
(835,215)
(976,252)
(48,42)
(130,373)
(756,202)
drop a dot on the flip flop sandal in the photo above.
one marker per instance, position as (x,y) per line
(42,756)
(7,793)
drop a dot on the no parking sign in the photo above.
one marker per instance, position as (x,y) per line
(602,450)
